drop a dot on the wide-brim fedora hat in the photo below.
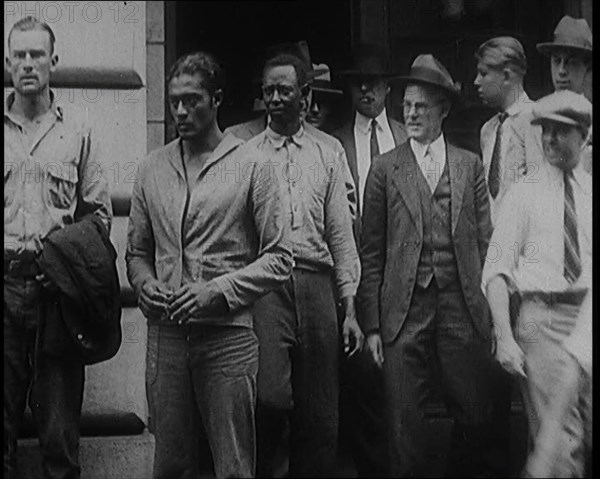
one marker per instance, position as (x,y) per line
(427,70)
(367,60)
(322,83)
(570,33)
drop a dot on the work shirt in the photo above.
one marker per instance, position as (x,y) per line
(513,161)
(315,204)
(362,139)
(53,181)
(228,227)
(527,245)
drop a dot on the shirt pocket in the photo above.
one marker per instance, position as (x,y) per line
(60,185)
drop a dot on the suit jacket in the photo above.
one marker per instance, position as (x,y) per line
(346,136)
(393,237)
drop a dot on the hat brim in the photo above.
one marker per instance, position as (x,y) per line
(322,89)
(547,47)
(554,117)
(406,80)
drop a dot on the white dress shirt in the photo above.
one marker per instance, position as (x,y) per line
(527,245)
(362,140)
(512,167)
(437,153)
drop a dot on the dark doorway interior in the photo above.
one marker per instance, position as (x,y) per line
(238,33)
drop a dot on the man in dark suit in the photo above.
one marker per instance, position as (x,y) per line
(426,229)
(361,404)
(370,131)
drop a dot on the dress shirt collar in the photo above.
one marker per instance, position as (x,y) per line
(580,176)
(56,109)
(278,140)
(438,148)
(363,123)
(522,103)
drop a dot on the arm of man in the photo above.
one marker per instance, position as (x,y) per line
(348,181)
(93,189)
(139,255)
(373,256)
(497,282)
(346,263)
(273,265)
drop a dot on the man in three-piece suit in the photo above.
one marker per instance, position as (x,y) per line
(426,228)
(368,133)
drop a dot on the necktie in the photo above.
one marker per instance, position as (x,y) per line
(572,268)
(430,170)
(374,144)
(494,174)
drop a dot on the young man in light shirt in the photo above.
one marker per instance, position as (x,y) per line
(501,67)
(542,245)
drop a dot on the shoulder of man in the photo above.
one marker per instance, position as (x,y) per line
(325,137)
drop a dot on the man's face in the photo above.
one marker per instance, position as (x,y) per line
(193,108)
(319,110)
(368,95)
(490,84)
(562,144)
(423,113)
(282,94)
(568,69)
(30,61)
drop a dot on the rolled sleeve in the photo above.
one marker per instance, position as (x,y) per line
(509,232)
(94,193)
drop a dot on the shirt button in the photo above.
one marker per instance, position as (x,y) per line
(80,336)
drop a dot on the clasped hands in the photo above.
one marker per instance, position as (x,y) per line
(158,302)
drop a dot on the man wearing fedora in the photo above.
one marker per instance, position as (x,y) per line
(368,133)
(426,229)
(550,222)
(570,54)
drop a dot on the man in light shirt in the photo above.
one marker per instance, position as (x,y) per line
(542,249)
(501,67)
(426,228)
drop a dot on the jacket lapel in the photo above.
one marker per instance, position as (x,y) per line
(174,155)
(458,181)
(405,178)
(398,131)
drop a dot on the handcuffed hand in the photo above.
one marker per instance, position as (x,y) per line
(352,336)
(154,299)
(194,300)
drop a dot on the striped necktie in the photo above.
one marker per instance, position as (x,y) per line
(494,174)
(572,268)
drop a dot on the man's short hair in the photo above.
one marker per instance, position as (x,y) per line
(203,64)
(30,23)
(286,59)
(503,52)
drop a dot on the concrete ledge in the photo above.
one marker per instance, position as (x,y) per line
(109,457)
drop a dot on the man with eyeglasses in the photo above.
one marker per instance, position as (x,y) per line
(206,238)
(297,324)
(426,229)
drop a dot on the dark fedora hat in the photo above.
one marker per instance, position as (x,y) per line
(300,50)
(367,59)
(427,70)
(571,33)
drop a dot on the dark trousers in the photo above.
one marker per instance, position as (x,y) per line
(362,415)
(202,375)
(438,345)
(54,386)
(298,374)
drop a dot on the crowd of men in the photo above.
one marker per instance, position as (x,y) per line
(326,291)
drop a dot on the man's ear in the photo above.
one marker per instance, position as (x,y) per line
(7,62)
(53,61)
(305,90)
(217,98)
